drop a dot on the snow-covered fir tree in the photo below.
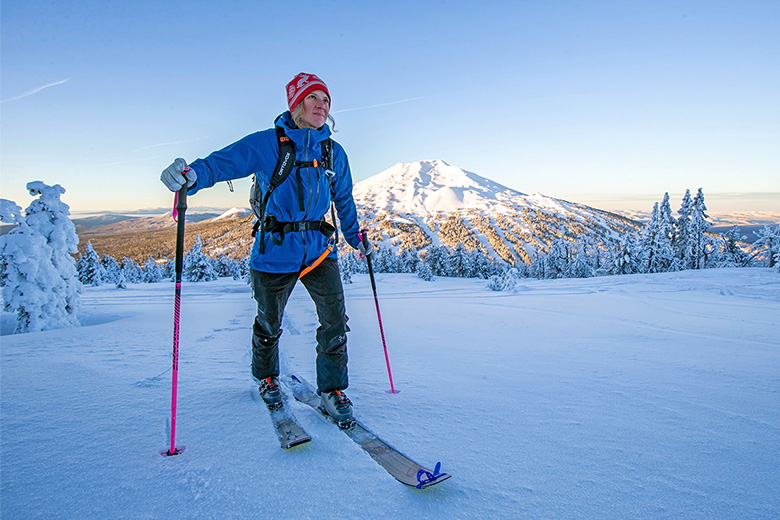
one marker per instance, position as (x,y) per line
(668,223)
(484,266)
(698,228)
(409,260)
(558,258)
(506,280)
(348,266)
(656,243)
(386,261)
(131,271)
(51,217)
(667,234)
(27,270)
(152,271)
(459,263)
(110,269)
(243,269)
(424,272)
(583,262)
(40,280)
(538,265)
(226,267)
(169,269)
(769,238)
(436,258)
(197,266)
(732,254)
(648,242)
(623,256)
(683,238)
(88,267)
(345,270)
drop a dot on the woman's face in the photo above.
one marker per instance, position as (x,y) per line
(316,107)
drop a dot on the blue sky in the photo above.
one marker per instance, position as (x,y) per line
(608,103)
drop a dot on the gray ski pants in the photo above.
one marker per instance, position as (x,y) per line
(271,291)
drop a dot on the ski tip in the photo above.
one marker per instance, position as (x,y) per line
(296,442)
(426,478)
(439,478)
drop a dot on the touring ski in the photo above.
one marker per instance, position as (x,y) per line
(288,430)
(398,465)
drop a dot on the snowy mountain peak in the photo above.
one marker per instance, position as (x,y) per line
(430,187)
(423,203)
(233,213)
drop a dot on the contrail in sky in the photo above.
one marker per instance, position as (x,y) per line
(144,149)
(35,91)
(158,145)
(375,106)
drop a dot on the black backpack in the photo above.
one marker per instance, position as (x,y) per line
(284,167)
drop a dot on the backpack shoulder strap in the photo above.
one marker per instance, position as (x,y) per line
(284,166)
(286,159)
(327,162)
(327,154)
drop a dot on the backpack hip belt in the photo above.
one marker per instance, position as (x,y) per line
(276,227)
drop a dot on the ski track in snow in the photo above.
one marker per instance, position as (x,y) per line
(642,396)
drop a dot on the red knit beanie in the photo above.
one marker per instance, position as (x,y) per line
(300,86)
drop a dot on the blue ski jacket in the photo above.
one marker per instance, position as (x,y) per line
(258,153)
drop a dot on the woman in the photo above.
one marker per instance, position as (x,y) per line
(291,239)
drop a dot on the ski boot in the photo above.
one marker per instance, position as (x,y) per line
(338,407)
(271,393)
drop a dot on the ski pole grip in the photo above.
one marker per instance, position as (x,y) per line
(181,199)
(364,237)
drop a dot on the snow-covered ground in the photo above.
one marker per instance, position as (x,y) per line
(643,396)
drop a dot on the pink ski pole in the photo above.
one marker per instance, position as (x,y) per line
(364,238)
(180,207)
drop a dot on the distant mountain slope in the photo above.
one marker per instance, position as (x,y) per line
(228,234)
(107,224)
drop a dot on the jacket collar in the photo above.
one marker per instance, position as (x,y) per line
(299,135)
